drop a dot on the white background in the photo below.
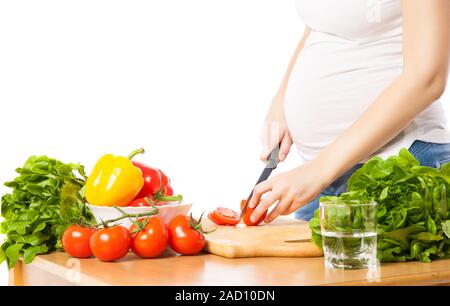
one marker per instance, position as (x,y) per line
(188,80)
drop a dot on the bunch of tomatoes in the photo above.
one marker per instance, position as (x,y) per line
(147,237)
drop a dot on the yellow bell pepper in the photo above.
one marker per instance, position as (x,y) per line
(114,181)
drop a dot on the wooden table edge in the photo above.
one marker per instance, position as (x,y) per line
(15,277)
(434,278)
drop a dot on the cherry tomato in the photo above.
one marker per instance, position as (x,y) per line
(248,213)
(112,243)
(150,241)
(75,241)
(152,180)
(224,216)
(185,235)
(139,202)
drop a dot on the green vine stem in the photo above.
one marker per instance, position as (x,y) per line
(126,215)
(162,198)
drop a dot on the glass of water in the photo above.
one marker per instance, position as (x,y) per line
(349,235)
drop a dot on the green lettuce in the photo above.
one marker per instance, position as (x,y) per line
(412,212)
(46,198)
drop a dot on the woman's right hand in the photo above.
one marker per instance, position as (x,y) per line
(275,131)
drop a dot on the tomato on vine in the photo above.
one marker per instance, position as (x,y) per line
(149,237)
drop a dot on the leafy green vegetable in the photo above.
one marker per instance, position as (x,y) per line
(413,219)
(46,198)
(446,228)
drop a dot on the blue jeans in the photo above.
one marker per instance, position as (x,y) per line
(427,153)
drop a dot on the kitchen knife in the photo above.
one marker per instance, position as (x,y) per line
(271,164)
(298,240)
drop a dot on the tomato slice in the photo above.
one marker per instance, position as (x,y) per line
(224,216)
(211,217)
(248,213)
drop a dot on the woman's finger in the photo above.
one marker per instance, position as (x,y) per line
(296,204)
(285,146)
(264,156)
(291,208)
(282,205)
(265,203)
(258,191)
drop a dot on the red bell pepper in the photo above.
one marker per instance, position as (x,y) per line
(166,188)
(154,181)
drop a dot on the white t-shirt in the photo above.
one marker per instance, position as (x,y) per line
(353,53)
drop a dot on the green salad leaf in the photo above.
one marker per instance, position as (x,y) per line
(413,221)
(46,198)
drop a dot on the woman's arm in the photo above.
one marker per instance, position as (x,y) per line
(426,46)
(423,80)
(275,129)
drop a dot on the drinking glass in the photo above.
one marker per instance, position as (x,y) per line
(349,235)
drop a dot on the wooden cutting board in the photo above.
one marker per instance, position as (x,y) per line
(266,240)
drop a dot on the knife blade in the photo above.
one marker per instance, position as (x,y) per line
(271,164)
(298,240)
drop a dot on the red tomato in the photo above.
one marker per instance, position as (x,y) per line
(166,188)
(75,241)
(213,219)
(248,213)
(224,216)
(151,240)
(139,202)
(152,180)
(185,235)
(146,202)
(112,243)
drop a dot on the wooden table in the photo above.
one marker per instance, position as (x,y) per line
(207,269)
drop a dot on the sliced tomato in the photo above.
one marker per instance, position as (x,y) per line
(213,219)
(249,211)
(224,216)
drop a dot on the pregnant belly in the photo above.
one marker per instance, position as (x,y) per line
(327,93)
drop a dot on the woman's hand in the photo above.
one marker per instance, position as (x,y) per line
(289,190)
(275,131)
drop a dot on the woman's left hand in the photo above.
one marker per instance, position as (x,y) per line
(289,191)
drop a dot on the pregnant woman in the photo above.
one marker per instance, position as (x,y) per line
(365,80)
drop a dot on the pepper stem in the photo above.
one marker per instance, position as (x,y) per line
(136,152)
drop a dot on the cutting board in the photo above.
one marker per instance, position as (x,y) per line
(266,240)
